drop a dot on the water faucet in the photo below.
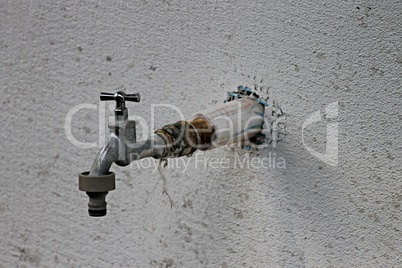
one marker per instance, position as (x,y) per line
(240,118)
(121,148)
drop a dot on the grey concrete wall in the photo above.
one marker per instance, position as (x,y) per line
(304,54)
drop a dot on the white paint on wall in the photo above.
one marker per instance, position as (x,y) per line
(305,54)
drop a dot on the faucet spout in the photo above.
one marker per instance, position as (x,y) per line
(99,180)
(105,181)
(105,158)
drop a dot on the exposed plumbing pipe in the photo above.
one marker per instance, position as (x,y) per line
(240,118)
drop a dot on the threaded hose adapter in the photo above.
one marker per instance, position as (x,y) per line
(95,184)
(97,188)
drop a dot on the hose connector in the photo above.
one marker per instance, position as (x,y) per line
(96,187)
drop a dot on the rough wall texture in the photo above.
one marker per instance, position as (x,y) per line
(304,54)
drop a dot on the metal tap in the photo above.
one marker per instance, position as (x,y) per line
(121,148)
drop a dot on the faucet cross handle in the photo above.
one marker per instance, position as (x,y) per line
(120,97)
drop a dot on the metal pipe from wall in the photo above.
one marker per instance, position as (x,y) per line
(231,122)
